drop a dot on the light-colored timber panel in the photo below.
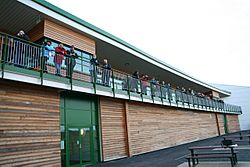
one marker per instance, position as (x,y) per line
(221,123)
(233,123)
(114,140)
(29,125)
(155,127)
(68,36)
(36,32)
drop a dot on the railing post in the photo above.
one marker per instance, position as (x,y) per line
(128,83)
(152,92)
(42,64)
(141,90)
(95,74)
(169,98)
(113,82)
(4,55)
(71,70)
(161,94)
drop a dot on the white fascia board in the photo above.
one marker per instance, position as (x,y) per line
(95,34)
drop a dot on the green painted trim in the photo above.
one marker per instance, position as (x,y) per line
(113,82)
(135,94)
(18,70)
(100,87)
(56,78)
(225,124)
(82,83)
(99,128)
(147,97)
(20,39)
(112,37)
(122,92)
(128,84)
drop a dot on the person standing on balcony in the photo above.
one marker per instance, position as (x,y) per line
(106,70)
(21,34)
(47,52)
(70,61)
(59,56)
(20,49)
(135,82)
(153,83)
(93,68)
(145,83)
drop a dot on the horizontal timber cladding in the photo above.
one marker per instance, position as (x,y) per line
(29,125)
(37,32)
(221,123)
(114,140)
(233,123)
(155,127)
(67,36)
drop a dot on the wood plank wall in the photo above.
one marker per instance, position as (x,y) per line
(150,127)
(68,36)
(36,32)
(29,125)
(154,127)
(233,123)
(221,123)
(114,140)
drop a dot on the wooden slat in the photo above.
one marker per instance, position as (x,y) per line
(233,123)
(29,125)
(154,127)
(221,123)
(36,32)
(114,141)
(68,36)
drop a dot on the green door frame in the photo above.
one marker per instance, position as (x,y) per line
(80,146)
(225,124)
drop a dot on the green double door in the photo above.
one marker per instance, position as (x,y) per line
(79,130)
(79,146)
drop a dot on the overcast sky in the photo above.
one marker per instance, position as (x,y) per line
(207,39)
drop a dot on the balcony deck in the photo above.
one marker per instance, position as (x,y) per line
(21,61)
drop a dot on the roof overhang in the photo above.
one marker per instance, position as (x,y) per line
(123,55)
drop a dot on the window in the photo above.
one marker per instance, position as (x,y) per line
(82,63)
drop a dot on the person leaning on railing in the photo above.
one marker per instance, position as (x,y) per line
(144,82)
(59,56)
(93,68)
(70,61)
(106,70)
(47,52)
(20,57)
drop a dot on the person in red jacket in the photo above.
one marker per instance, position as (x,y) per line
(59,56)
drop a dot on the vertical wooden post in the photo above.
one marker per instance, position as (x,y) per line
(127,129)
(217,123)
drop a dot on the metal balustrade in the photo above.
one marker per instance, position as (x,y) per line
(19,56)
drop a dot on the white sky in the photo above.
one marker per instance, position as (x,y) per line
(207,39)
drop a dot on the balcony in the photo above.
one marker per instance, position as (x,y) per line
(22,61)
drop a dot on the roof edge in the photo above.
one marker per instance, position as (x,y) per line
(120,41)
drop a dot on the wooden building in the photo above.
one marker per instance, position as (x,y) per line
(76,121)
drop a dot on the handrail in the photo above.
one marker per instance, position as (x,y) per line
(20,39)
(29,55)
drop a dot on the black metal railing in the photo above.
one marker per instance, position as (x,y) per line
(15,52)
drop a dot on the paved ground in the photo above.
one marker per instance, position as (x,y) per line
(172,157)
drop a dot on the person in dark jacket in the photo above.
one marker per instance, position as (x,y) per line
(59,56)
(93,68)
(20,49)
(106,72)
(70,61)
(21,34)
